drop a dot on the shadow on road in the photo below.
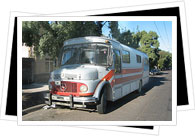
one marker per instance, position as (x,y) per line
(33,99)
(163,73)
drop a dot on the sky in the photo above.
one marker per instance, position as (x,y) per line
(162,28)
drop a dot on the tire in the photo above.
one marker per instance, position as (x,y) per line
(140,87)
(102,106)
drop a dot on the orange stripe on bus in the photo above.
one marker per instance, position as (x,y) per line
(125,79)
(122,79)
(129,71)
(106,77)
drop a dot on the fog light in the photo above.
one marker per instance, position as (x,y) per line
(83,88)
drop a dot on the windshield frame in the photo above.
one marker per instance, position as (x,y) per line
(83,45)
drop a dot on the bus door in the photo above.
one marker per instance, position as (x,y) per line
(118,75)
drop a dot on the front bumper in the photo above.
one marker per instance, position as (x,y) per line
(69,100)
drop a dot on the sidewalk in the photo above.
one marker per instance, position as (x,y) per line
(35,87)
(33,96)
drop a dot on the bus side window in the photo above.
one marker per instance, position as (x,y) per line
(117,61)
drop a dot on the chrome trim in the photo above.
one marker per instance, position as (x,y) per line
(75,99)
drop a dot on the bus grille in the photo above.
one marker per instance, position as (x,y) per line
(68,87)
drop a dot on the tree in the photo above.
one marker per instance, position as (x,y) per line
(100,25)
(48,37)
(150,45)
(114,30)
(32,31)
(150,38)
(126,38)
(137,37)
(165,60)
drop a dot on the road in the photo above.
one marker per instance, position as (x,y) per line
(153,104)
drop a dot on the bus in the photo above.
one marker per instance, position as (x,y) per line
(94,70)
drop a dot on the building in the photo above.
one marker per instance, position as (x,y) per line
(35,68)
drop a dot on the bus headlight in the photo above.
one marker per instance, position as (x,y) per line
(83,88)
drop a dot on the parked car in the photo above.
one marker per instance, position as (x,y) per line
(155,72)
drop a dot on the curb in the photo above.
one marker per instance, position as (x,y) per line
(32,109)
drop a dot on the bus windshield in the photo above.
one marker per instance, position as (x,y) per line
(95,54)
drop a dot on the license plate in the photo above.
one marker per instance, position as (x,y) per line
(57,97)
(60,98)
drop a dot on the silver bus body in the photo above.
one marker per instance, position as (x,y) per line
(107,71)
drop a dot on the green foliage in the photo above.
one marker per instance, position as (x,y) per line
(32,31)
(126,38)
(150,38)
(165,60)
(152,54)
(150,45)
(136,39)
(114,30)
(48,37)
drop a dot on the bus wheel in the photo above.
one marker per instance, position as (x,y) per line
(101,107)
(140,87)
